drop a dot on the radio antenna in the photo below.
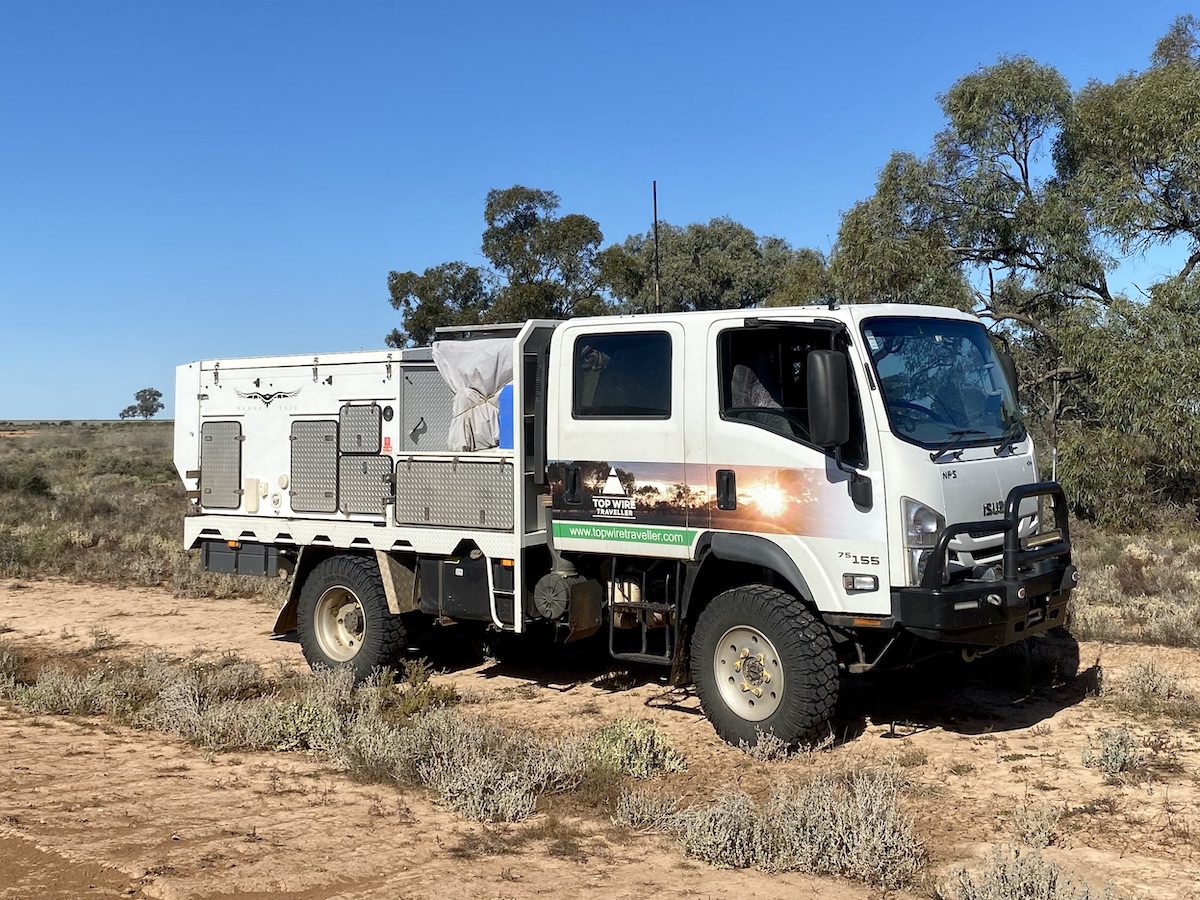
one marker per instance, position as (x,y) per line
(657,295)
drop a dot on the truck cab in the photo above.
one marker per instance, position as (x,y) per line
(758,499)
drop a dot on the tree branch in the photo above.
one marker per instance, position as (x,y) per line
(1192,262)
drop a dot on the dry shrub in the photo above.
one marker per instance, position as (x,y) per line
(12,662)
(383,730)
(487,771)
(102,638)
(1012,874)
(1115,752)
(734,831)
(1148,689)
(646,810)
(635,747)
(849,824)
(1035,824)
(23,478)
(769,747)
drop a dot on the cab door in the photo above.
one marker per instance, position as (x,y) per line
(769,480)
(616,444)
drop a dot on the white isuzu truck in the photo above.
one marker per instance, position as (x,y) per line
(757,499)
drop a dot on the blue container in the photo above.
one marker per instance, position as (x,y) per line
(506,417)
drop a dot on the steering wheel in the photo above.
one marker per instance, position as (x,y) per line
(925,411)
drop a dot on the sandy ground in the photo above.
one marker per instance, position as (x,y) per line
(89,809)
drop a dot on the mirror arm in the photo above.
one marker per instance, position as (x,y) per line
(860,484)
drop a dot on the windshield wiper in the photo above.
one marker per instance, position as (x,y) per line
(1008,440)
(955,437)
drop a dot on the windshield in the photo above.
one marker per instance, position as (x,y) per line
(942,381)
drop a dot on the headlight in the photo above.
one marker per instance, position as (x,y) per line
(922,526)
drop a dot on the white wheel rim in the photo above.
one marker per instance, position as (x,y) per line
(748,673)
(340,624)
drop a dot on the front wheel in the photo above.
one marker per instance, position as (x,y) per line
(763,663)
(343,619)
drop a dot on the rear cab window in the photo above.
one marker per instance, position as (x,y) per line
(622,375)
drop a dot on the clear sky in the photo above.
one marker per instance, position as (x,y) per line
(191,180)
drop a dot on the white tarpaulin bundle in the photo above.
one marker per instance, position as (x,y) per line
(476,371)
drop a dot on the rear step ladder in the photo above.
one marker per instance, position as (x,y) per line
(644,612)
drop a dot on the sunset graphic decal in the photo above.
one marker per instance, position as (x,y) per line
(769,500)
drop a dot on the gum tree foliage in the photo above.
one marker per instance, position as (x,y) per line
(1027,200)
(452,293)
(147,404)
(541,265)
(720,264)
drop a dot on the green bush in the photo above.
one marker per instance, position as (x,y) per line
(23,479)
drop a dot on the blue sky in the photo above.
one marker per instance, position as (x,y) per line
(181,181)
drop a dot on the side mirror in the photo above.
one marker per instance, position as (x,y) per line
(1009,366)
(828,398)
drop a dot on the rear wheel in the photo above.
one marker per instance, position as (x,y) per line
(344,620)
(763,663)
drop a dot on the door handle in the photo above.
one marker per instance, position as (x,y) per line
(726,489)
(419,429)
(571,486)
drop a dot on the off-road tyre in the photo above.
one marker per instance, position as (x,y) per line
(382,640)
(805,656)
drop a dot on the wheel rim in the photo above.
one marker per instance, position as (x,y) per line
(748,673)
(340,624)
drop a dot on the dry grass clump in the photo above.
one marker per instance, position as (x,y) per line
(1149,689)
(102,638)
(1011,874)
(151,691)
(1115,752)
(769,747)
(102,504)
(848,824)
(1141,589)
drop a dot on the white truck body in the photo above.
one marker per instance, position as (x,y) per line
(644,449)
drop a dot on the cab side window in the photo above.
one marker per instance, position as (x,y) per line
(764,382)
(622,375)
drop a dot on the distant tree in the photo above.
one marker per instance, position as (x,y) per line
(541,265)
(148,403)
(452,293)
(545,263)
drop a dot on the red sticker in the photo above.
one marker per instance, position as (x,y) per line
(387,445)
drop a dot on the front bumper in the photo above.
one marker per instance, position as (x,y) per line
(1030,597)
